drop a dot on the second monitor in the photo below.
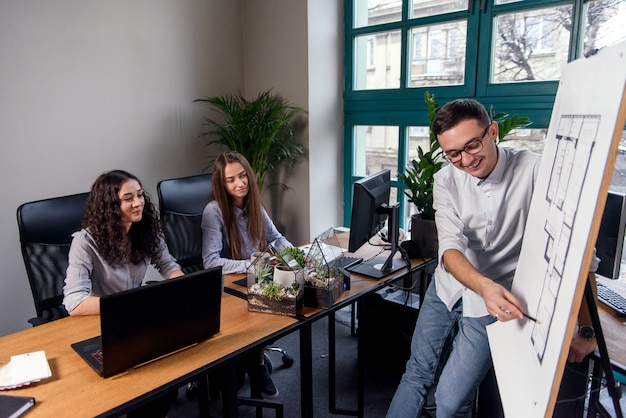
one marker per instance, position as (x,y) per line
(370,210)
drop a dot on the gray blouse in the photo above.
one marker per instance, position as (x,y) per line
(88,274)
(215,246)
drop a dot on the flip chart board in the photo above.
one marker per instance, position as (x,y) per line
(579,155)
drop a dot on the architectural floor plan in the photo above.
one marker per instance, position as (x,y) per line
(575,138)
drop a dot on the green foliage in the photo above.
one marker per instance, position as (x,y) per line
(287,253)
(418,177)
(260,129)
(507,123)
(271,289)
(263,271)
(323,271)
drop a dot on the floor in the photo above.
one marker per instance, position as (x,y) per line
(379,388)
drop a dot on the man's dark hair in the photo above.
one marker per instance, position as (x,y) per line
(457,111)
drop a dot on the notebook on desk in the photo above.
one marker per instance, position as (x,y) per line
(142,324)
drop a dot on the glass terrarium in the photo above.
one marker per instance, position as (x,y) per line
(275,280)
(323,283)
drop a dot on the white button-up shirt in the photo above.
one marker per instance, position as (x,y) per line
(485,220)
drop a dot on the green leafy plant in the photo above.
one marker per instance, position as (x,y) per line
(291,253)
(274,290)
(260,129)
(263,272)
(271,289)
(323,271)
(507,123)
(418,177)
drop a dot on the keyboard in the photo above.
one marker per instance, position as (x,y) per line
(611,299)
(345,262)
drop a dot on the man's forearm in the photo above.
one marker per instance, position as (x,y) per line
(459,266)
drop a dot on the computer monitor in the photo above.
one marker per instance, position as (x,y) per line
(610,243)
(370,210)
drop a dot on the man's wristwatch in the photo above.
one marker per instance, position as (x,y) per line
(586,332)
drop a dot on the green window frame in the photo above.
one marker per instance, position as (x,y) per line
(402,106)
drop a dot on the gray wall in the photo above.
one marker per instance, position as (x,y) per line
(87,86)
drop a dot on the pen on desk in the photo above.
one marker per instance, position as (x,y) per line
(531,318)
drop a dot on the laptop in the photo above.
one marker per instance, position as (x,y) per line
(142,324)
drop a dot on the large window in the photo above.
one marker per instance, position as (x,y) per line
(505,53)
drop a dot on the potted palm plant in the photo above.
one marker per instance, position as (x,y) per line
(261,129)
(418,178)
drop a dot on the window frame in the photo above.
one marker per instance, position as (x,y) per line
(404,106)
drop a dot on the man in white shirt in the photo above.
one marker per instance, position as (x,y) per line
(482,199)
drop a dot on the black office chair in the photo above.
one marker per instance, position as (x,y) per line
(46,228)
(181,202)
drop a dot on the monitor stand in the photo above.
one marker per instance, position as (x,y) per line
(374,268)
(380,267)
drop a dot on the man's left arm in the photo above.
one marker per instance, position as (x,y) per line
(583,340)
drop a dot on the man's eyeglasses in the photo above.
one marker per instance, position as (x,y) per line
(472,147)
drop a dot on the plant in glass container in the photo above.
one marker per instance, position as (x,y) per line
(323,283)
(274,288)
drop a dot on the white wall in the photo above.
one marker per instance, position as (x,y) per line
(87,86)
(295,47)
(326,72)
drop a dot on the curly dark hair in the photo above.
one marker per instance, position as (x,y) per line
(103,219)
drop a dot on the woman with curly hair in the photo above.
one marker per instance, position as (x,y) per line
(121,235)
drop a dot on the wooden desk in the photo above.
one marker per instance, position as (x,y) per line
(75,389)
(359,287)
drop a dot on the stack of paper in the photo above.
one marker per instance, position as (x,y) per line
(24,369)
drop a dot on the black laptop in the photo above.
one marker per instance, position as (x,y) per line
(142,324)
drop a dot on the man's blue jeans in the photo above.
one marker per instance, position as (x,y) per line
(468,363)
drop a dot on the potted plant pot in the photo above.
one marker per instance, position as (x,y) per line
(424,237)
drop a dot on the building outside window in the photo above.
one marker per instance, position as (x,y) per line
(508,55)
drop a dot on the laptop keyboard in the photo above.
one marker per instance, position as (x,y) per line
(611,299)
(97,355)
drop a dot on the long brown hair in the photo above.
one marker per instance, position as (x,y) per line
(103,218)
(252,204)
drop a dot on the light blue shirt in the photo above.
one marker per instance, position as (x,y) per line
(216,250)
(88,274)
(485,220)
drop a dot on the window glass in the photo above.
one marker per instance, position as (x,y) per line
(506,1)
(377,61)
(525,138)
(418,136)
(618,181)
(376,12)
(531,45)
(437,54)
(604,24)
(375,148)
(424,8)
